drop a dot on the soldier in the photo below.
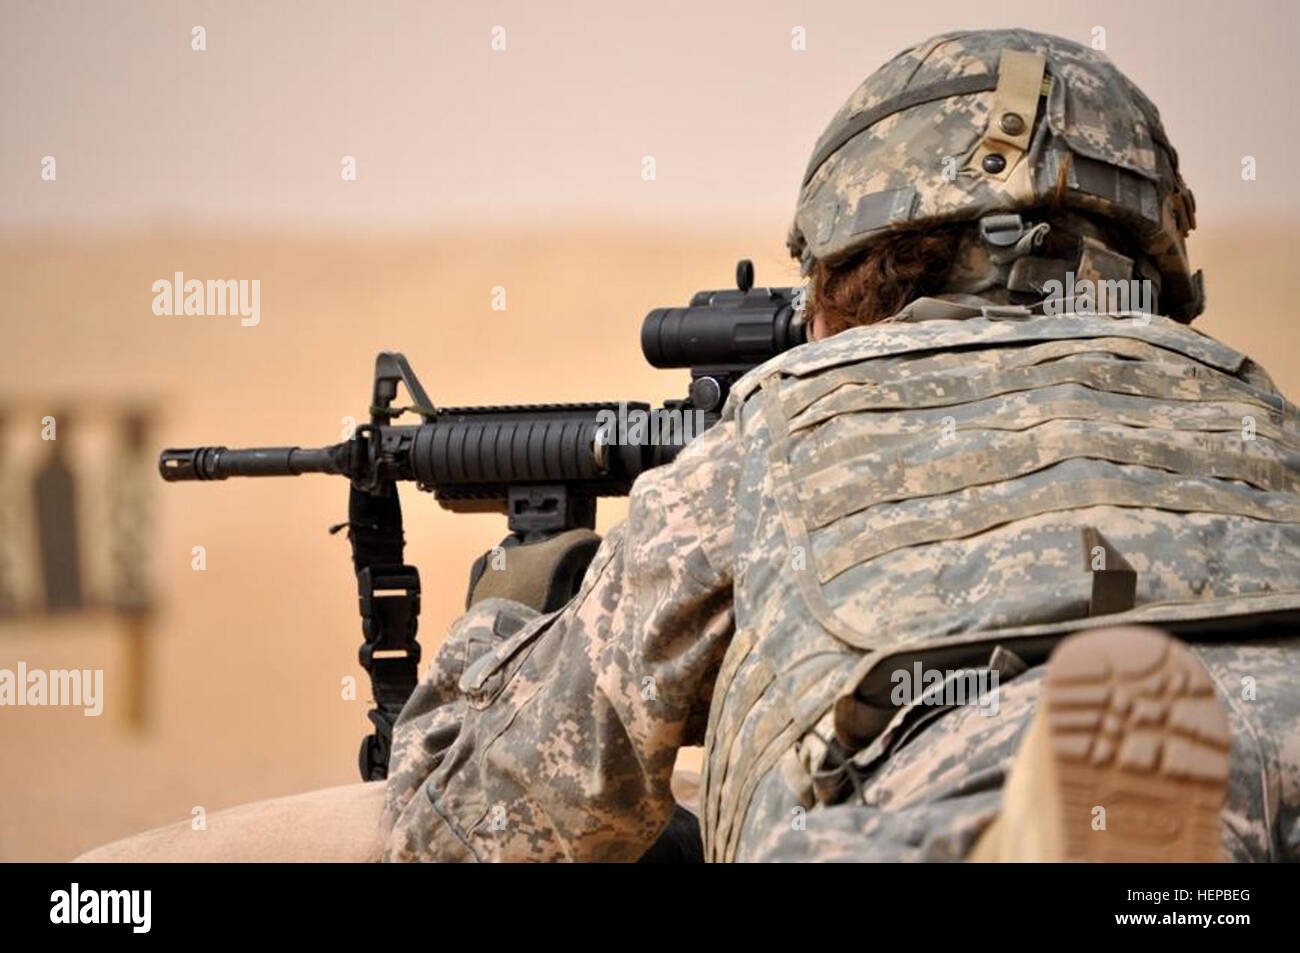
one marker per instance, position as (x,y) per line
(914,594)
(1005,434)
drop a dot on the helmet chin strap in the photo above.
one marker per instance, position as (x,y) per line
(985,263)
(1002,262)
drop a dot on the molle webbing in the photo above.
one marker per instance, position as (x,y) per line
(724,722)
(962,434)
(748,749)
(796,396)
(801,711)
(1037,429)
(983,508)
(1021,412)
(751,681)
(951,339)
(1186,383)
(1013,411)
(995,457)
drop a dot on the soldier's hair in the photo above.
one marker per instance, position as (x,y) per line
(878,282)
(905,265)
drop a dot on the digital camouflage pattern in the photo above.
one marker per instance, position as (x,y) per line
(1063,126)
(933,783)
(917,488)
(553,737)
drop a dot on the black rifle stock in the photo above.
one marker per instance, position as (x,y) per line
(543,465)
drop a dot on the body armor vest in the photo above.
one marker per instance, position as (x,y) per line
(925,491)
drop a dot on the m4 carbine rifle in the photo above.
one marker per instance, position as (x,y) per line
(543,465)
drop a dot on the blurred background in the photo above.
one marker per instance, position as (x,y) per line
(476,168)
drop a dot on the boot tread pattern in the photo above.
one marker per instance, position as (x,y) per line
(1137,732)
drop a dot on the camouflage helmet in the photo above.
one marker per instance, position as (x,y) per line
(978,124)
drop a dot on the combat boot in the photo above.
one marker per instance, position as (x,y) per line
(1126,758)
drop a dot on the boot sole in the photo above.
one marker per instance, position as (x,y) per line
(1140,746)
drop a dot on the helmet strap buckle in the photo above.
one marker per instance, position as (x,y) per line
(1009,238)
(1001,231)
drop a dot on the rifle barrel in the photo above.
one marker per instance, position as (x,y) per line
(217,463)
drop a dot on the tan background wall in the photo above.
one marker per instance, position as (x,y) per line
(249,654)
(521,171)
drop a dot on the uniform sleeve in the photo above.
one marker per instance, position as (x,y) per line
(553,737)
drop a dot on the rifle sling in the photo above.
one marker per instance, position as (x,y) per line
(389,600)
